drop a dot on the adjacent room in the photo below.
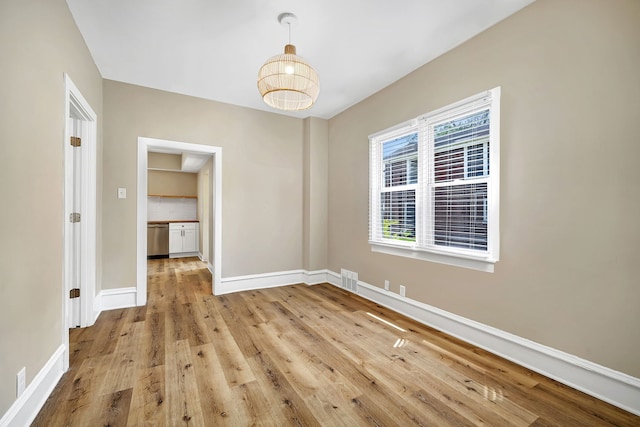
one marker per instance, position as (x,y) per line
(320,213)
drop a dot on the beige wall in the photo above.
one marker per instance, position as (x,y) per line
(168,183)
(164,161)
(261,177)
(569,266)
(39,41)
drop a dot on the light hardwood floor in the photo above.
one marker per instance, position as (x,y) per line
(296,355)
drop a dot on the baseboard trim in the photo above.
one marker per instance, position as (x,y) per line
(184,255)
(210,267)
(315,277)
(606,384)
(111,299)
(271,280)
(261,281)
(334,278)
(26,407)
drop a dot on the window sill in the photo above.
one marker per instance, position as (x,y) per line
(480,264)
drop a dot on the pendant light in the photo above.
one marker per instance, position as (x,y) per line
(286,81)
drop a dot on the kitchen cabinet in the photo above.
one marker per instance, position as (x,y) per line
(183,239)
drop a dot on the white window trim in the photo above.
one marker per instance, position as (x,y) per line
(465,261)
(451,256)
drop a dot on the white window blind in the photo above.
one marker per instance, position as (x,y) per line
(434,183)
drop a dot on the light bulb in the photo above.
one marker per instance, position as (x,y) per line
(289,69)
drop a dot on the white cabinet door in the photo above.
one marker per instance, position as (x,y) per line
(189,240)
(175,240)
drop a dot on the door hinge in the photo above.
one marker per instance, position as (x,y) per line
(74,217)
(76,141)
(74,293)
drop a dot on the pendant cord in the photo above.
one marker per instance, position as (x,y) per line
(289,25)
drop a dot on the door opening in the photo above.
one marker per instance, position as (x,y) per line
(214,236)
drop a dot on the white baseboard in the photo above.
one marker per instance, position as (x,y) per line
(611,386)
(334,278)
(315,277)
(111,299)
(184,255)
(271,280)
(26,407)
(261,281)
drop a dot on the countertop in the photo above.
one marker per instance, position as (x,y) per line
(171,221)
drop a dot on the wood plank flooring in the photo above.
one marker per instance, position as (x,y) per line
(293,356)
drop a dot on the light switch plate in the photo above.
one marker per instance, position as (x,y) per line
(122,193)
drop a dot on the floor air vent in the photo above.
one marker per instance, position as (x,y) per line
(349,280)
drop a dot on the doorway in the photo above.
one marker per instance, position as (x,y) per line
(214,236)
(79,269)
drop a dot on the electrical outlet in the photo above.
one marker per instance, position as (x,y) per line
(386,285)
(122,193)
(402,290)
(21,381)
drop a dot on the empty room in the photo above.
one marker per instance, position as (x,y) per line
(276,212)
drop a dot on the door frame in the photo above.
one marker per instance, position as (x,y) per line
(206,212)
(215,181)
(76,103)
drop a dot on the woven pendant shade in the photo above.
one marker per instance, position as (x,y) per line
(288,82)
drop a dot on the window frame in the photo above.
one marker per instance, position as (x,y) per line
(422,248)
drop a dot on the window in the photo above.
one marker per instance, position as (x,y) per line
(434,185)
(398,193)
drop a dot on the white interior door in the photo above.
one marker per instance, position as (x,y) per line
(74,210)
(79,198)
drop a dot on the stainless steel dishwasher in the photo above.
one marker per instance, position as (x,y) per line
(158,240)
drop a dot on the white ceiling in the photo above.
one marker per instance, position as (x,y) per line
(213,48)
